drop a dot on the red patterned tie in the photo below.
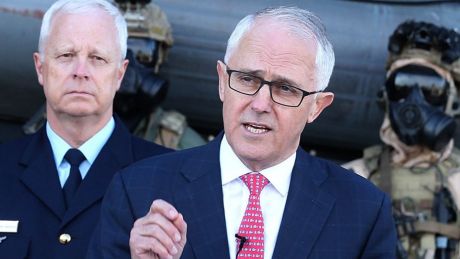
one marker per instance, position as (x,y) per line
(252,226)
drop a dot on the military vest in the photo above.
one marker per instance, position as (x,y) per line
(416,195)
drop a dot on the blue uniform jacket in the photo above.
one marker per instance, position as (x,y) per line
(30,192)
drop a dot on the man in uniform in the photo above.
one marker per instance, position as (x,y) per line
(52,182)
(142,89)
(418,164)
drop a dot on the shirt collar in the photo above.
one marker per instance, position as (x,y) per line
(232,168)
(90,148)
(58,145)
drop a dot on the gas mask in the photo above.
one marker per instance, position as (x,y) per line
(417,98)
(141,91)
(149,37)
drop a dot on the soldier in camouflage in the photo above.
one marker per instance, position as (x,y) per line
(142,90)
(418,165)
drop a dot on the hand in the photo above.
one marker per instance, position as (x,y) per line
(161,234)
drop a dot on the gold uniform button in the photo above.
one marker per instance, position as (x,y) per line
(64,239)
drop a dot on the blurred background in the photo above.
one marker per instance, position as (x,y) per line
(358,30)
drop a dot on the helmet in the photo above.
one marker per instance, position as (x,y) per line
(149,38)
(423,70)
(149,32)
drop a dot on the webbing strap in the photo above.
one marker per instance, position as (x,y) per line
(385,180)
(449,230)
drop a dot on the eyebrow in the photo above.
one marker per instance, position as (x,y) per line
(277,78)
(62,48)
(98,51)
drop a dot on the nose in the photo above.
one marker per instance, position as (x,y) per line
(81,69)
(262,101)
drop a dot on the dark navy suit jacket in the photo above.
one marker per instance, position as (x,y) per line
(330,212)
(30,192)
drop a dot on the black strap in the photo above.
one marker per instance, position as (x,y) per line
(385,171)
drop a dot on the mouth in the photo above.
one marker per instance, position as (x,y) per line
(256,128)
(79,93)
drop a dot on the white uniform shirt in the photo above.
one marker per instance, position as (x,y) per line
(236,194)
(90,149)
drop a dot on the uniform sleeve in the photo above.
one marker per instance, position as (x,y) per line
(382,239)
(111,237)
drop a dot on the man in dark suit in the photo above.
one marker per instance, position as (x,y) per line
(49,206)
(252,192)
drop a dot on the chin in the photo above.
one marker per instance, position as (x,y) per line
(79,112)
(252,152)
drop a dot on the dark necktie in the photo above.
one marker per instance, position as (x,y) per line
(252,226)
(74,157)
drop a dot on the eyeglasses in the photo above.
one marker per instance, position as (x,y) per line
(280,92)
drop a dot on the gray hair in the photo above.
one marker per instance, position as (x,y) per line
(83,6)
(304,24)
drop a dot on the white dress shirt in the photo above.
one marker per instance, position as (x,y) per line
(236,195)
(90,150)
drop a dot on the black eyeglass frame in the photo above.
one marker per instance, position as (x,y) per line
(269,83)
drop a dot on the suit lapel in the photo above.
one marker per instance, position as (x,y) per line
(116,154)
(306,211)
(40,174)
(202,199)
(307,207)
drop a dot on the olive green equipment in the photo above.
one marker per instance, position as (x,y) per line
(143,89)
(425,201)
(170,129)
(146,20)
(424,184)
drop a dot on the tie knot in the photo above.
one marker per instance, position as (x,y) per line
(255,182)
(74,157)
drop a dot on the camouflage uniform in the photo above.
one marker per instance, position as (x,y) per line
(424,183)
(147,22)
(167,128)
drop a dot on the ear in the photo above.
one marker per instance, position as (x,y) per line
(321,101)
(38,67)
(222,73)
(121,72)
